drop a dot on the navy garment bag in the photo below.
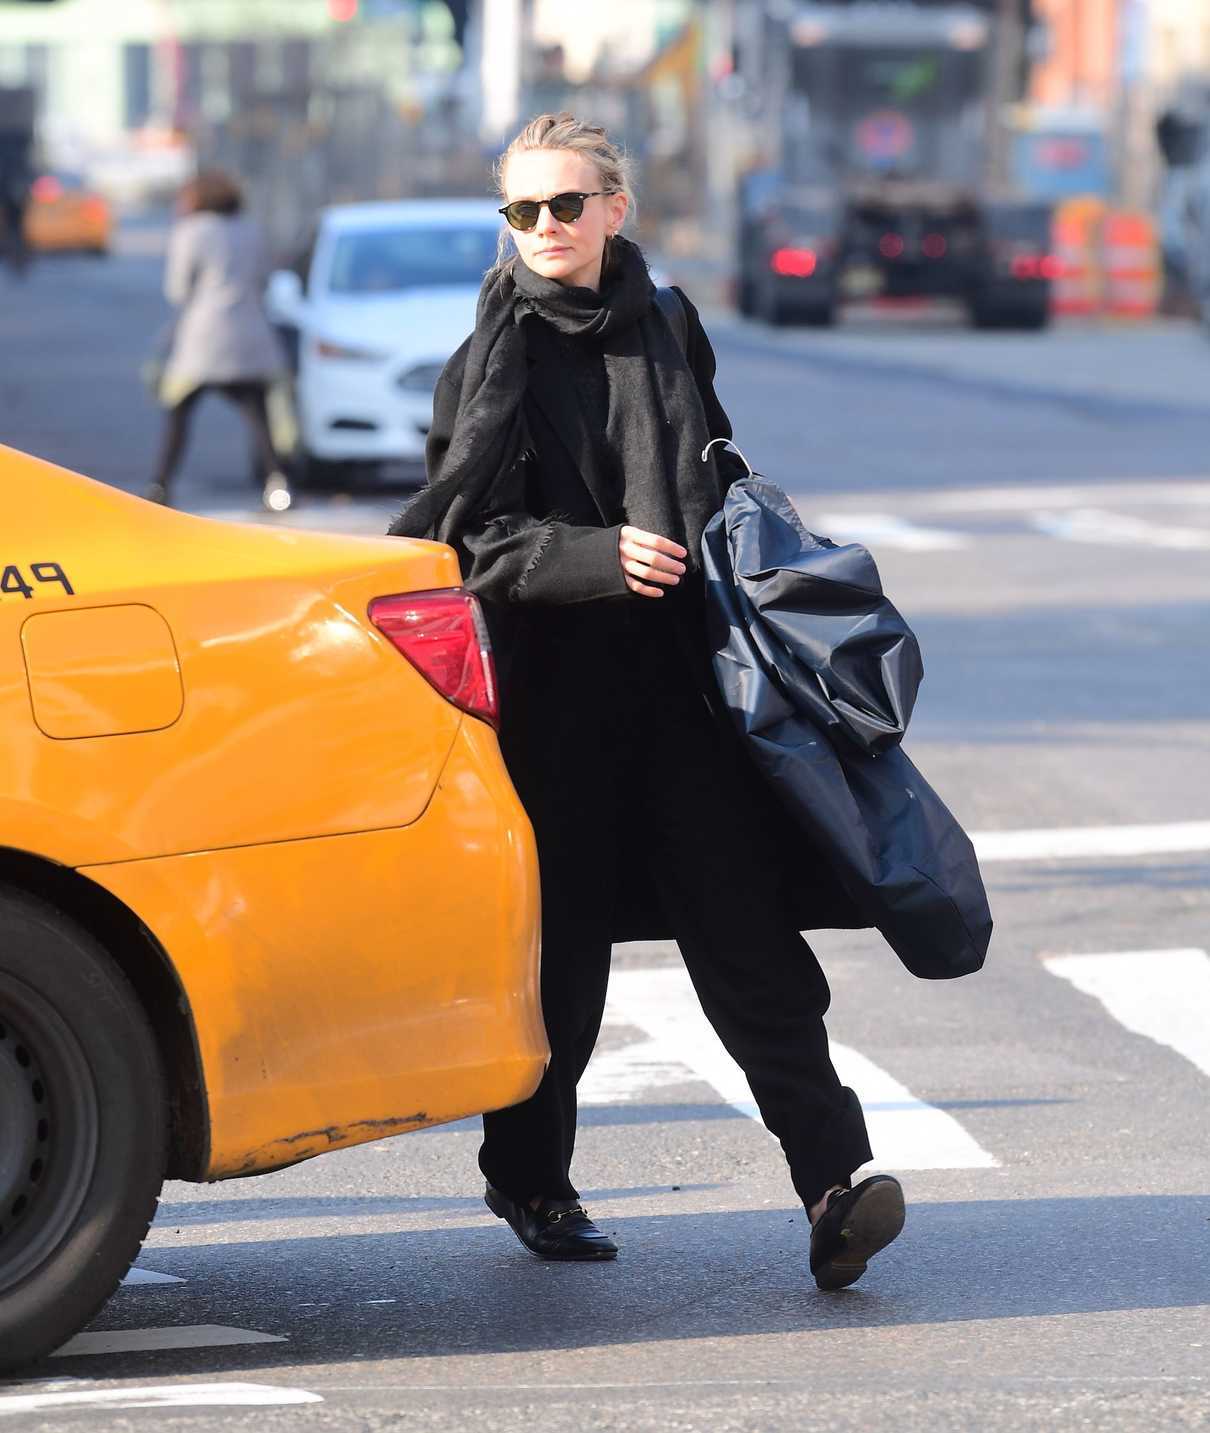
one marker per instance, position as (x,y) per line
(820,674)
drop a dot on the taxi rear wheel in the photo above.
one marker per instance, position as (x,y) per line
(84,1129)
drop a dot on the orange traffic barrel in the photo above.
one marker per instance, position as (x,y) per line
(1076,278)
(1133,272)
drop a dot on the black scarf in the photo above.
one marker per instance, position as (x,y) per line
(656,429)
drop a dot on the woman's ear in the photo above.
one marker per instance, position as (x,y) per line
(617,206)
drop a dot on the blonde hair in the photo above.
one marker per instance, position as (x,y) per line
(565,131)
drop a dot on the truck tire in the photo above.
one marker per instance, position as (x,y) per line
(83,1139)
(1032,317)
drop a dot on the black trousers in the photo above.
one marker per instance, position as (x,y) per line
(248,397)
(672,791)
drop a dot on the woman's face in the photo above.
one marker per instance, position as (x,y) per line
(568,253)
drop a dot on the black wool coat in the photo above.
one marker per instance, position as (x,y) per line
(542,556)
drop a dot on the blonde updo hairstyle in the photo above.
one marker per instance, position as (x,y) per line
(565,131)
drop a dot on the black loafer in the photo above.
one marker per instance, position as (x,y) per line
(556,1229)
(855,1225)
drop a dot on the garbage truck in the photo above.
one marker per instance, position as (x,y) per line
(884,161)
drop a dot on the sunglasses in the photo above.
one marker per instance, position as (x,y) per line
(566,208)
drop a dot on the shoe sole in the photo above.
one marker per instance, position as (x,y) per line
(584,1258)
(874,1222)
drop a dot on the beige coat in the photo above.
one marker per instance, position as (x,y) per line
(215,274)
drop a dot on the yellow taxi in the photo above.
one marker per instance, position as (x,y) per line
(265,887)
(64,215)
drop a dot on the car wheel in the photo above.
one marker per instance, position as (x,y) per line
(317,474)
(84,1131)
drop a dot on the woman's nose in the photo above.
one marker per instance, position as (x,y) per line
(547,223)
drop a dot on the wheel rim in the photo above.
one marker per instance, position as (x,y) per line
(48,1142)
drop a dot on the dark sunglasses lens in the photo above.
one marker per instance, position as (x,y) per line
(567,208)
(523,214)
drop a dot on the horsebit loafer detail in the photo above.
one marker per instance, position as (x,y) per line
(556,1229)
(855,1225)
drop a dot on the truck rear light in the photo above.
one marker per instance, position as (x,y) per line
(891,246)
(1051,267)
(46,189)
(934,246)
(1027,266)
(793,263)
(444,636)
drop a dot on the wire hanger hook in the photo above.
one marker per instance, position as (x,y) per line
(730,444)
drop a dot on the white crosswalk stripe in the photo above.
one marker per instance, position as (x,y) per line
(880,529)
(1162,994)
(175,1395)
(1110,529)
(1062,515)
(678,1045)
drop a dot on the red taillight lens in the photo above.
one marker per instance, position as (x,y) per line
(891,246)
(444,636)
(793,263)
(46,189)
(1052,267)
(1027,266)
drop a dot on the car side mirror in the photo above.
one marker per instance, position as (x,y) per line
(284,296)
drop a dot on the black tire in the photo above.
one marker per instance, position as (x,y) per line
(770,308)
(1032,317)
(822,315)
(317,474)
(83,1137)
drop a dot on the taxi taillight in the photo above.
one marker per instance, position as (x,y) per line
(444,636)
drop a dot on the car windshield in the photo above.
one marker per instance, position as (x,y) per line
(375,261)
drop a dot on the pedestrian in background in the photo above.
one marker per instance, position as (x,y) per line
(16,182)
(222,341)
(564,467)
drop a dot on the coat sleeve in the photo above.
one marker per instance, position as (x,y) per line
(702,363)
(508,554)
(179,265)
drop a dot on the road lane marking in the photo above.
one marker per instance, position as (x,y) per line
(146,1340)
(178,1395)
(905,1132)
(1029,498)
(1075,842)
(1110,529)
(883,529)
(1161,994)
(148,1276)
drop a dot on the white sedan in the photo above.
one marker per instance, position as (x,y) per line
(381,297)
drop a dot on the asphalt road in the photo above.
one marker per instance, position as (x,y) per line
(1040,510)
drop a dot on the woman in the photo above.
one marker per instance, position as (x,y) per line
(564,467)
(222,341)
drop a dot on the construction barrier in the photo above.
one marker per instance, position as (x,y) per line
(1133,268)
(1104,262)
(1077,282)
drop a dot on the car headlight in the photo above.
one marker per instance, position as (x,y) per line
(421,379)
(325,348)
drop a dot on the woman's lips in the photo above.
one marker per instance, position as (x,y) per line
(549,253)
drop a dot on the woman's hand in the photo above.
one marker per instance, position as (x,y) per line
(648,558)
